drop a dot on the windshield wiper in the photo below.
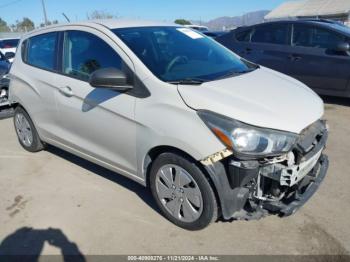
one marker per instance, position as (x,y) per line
(237,73)
(188,81)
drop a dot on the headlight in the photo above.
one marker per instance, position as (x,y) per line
(246,139)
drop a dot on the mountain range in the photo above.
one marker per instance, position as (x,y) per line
(227,22)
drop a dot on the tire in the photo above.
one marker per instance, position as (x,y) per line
(192,204)
(26,132)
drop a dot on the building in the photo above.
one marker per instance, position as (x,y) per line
(338,10)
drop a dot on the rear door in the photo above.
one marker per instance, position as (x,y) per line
(265,44)
(40,68)
(314,61)
(269,45)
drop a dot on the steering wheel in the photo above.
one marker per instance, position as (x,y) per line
(176,60)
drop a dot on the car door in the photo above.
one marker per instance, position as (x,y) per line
(314,60)
(238,41)
(96,122)
(267,45)
(39,55)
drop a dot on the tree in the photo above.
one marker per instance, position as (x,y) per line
(54,22)
(98,14)
(182,22)
(25,25)
(3,26)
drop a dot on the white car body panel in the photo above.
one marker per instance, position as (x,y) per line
(262,98)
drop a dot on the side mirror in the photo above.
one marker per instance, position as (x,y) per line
(9,55)
(342,47)
(110,78)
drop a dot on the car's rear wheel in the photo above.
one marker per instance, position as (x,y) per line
(182,192)
(27,135)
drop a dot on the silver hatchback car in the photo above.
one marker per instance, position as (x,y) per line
(211,134)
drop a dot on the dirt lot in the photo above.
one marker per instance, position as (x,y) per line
(52,201)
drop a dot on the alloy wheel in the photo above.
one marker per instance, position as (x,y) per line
(179,193)
(23,130)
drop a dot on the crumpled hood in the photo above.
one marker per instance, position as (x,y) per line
(261,98)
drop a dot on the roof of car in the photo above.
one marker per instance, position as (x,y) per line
(114,23)
(305,21)
(323,22)
(335,26)
(109,23)
(123,23)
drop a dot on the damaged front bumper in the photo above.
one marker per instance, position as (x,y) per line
(314,179)
(251,189)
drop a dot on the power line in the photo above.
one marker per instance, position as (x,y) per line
(10,3)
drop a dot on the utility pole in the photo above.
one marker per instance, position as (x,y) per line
(44,10)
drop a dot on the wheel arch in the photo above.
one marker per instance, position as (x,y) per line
(158,150)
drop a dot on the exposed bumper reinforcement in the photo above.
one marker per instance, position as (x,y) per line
(300,199)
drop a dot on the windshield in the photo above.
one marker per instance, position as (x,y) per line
(176,53)
(342,28)
(9,43)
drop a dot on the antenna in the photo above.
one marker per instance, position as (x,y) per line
(68,20)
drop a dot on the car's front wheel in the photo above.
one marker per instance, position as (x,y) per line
(27,135)
(183,192)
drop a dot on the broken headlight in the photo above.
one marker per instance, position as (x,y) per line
(246,139)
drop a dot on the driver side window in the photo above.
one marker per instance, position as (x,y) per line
(84,53)
(307,36)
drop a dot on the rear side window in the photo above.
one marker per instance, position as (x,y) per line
(271,34)
(243,36)
(41,51)
(84,53)
(308,36)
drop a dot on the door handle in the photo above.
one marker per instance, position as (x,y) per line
(66,91)
(294,57)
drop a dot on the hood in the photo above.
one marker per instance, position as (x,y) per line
(262,98)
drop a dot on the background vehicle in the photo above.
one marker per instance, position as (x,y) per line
(173,110)
(4,82)
(214,34)
(316,52)
(200,28)
(9,45)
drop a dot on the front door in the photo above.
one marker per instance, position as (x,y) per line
(94,121)
(314,61)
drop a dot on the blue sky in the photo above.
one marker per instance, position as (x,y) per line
(168,10)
